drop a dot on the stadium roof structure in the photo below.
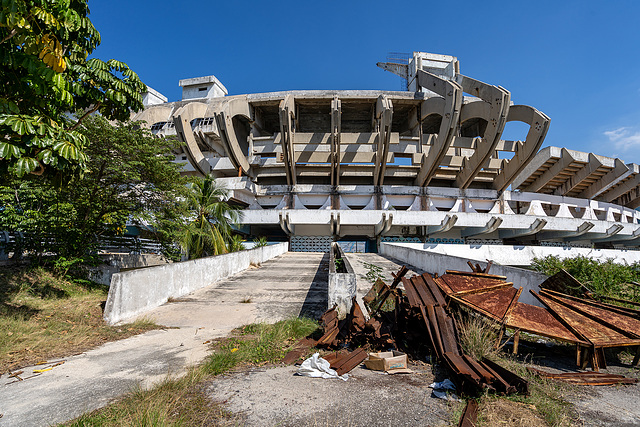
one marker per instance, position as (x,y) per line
(425,164)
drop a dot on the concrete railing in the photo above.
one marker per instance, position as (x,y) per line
(134,292)
(342,284)
(438,263)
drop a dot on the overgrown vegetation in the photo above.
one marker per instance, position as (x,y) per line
(182,401)
(477,336)
(604,278)
(373,272)
(260,242)
(43,316)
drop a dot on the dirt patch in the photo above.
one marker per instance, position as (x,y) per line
(501,412)
(268,397)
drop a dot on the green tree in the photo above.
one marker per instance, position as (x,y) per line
(210,230)
(131,178)
(45,75)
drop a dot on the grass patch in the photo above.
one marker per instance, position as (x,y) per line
(183,401)
(477,336)
(547,398)
(43,317)
(604,278)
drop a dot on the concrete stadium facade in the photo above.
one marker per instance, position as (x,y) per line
(428,164)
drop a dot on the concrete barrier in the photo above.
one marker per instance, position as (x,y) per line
(438,263)
(134,292)
(342,285)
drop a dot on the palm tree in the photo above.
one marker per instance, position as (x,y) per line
(210,231)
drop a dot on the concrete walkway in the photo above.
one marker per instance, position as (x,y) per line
(290,285)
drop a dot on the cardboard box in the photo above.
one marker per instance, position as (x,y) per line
(392,362)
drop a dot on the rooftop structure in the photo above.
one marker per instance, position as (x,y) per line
(426,164)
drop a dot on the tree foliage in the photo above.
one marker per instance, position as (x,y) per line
(46,74)
(210,231)
(130,178)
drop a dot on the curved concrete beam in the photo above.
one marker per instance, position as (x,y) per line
(447,224)
(538,126)
(448,107)
(498,99)
(153,115)
(224,118)
(492,225)
(534,228)
(287,111)
(182,119)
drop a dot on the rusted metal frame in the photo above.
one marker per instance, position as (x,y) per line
(476,308)
(473,267)
(458,365)
(350,361)
(470,415)
(421,287)
(448,330)
(600,319)
(512,304)
(482,290)
(287,115)
(498,99)
(579,340)
(625,311)
(623,301)
(486,376)
(442,285)
(336,132)
(451,93)
(586,378)
(397,277)
(396,280)
(410,291)
(432,336)
(520,384)
(467,273)
(435,289)
(384,115)
(563,282)
(516,341)
(433,323)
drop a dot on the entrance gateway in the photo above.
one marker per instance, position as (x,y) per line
(437,163)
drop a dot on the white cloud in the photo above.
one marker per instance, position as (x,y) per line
(624,138)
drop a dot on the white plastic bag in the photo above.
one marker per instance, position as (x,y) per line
(317,367)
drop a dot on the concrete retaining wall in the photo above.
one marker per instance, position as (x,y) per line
(134,292)
(342,286)
(523,255)
(439,263)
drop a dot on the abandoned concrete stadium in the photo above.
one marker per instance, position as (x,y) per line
(426,167)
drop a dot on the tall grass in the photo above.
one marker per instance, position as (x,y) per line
(604,278)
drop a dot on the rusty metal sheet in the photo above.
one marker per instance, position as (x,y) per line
(564,282)
(495,302)
(598,334)
(460,367)
(620,322)
(463,284)
(540,321)
(435,331)
(446,330)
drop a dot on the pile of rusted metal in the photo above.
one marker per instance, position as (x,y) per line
(400,318)
(569,313)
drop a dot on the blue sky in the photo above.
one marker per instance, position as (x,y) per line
(577,61)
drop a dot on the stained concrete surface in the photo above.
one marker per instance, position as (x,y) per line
(280,288)
(275,396)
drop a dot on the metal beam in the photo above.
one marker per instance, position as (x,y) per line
(336,130)
(491,226)
(448,107)
(576,179)
(538,126)
(384,115)
(534,228)
(565,160)
(498,99)
(287,117)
